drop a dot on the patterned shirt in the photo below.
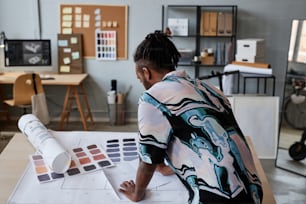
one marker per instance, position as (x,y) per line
(190,124)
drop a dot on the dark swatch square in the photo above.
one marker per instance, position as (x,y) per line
(72,172)
(56,175)
(44,177)
(104,163)
(92,146)
(89,167)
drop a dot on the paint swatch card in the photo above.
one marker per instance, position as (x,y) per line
(106,45)
(84,159)
(122,149)
(87,159)
(42,170)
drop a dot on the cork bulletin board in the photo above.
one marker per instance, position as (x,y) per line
(87,19)
(70,52)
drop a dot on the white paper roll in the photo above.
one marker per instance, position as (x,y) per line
(57,158)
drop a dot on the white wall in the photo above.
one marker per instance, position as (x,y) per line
(268,19)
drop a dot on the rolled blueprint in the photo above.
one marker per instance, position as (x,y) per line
(56,157)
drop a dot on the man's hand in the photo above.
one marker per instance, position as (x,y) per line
(128,189)
(136,191)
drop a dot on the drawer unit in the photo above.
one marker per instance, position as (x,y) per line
(250,47)
(249,58)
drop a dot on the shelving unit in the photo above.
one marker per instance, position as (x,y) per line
(194,39)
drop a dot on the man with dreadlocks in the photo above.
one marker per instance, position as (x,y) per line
(189,125)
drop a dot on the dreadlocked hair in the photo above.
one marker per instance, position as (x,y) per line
(158,51)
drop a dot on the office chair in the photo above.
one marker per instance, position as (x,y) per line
(23,90)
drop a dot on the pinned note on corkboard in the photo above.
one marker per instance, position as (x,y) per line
(87,19)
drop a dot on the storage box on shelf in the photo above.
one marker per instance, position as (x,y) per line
(208,60)
(251,46)
(178,26)
(209,22)
(250,50)
(225,24)
(214,23)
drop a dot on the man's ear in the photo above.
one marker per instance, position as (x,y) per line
(147,73)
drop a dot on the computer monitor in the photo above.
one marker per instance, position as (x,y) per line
(27,55)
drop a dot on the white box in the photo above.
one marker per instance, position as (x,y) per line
(178,26)
(248,58)
(250,47)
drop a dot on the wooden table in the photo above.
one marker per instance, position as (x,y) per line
(14,159)
(74,84)
(268,194)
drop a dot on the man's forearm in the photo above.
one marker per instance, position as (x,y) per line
(164,169)
(143,177)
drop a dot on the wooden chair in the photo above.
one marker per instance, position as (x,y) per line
(23,90)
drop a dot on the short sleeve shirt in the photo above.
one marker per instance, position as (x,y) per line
(190,124)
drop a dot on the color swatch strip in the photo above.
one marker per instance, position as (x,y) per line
(84,160)
(122,149)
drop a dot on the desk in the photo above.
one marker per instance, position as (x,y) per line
(73,82)
(228,81)
(14,160)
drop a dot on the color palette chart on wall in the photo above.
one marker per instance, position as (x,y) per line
(122,149)
(106,45)
(85,159)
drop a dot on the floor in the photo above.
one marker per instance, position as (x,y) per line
(288,137)
(287,187)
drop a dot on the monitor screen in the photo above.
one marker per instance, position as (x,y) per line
(27,53)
